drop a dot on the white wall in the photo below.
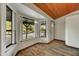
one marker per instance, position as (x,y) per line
(60,28)
(72,31)
(0,29)
(3,30)
(50,30)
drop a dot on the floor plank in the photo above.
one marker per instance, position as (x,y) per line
(54,48)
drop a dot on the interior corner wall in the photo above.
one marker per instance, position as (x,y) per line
(60,29)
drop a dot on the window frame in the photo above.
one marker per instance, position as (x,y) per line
(11,25)
(25,27)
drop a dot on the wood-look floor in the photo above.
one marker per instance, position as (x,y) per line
(54,48)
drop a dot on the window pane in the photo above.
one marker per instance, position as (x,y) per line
(31,31)
(43,30)
(8,26)
(24,32)
(28,30)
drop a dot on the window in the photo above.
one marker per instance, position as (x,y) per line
(43,29)
(24,32)
(28,29)
(8,26)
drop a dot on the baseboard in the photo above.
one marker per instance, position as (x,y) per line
(59,39)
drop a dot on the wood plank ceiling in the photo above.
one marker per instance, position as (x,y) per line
(56,10)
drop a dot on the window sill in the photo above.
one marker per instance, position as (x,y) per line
(28,39)
(10,47)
